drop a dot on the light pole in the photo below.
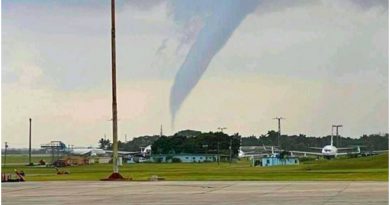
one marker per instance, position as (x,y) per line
(230,149)
(279,129)
(205,146)
(221,129)
(29,145)
(218,151)
(337,133)
(5,153)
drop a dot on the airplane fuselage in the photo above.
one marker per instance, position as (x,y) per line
(90,151)
(329,151)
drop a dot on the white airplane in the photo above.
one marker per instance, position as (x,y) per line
(262,153)
(95,151)
(87,151)
(329,151)
(242,154)
(146,150)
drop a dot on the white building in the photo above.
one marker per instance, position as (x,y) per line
(185,158)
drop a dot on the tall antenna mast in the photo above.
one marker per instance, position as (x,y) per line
(337,133)
(279,129)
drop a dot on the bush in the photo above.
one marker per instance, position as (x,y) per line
(306,159)
(158,160)
(176,160)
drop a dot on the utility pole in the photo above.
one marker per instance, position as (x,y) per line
(206,147)
(218,152)
(161,130)
(279,129)
(230,150)
(114,102)
(29,145)
(5,153)
(221,128)
(337,133)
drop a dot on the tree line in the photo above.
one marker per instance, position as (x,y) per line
(191,141)
(302,142)
(203,143)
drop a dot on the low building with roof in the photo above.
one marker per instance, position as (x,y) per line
(185,158)
(274,160)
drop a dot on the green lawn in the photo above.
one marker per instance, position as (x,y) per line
(19,158)
(366,168)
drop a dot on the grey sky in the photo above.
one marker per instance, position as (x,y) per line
(315,62)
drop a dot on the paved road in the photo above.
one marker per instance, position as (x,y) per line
(210,193)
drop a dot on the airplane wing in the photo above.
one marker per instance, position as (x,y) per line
(81,152)
(346,153)
(351,147)
(306,153)
(121,152)
(251,153)
(316,148)
(380,151)
(345,148)
(256,155)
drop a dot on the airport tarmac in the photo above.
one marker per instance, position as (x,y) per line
(199,192)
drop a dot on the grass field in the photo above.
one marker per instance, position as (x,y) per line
(374,168)
(19,158)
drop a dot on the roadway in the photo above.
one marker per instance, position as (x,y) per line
(191,192)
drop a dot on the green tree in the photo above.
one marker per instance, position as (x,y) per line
(104,144)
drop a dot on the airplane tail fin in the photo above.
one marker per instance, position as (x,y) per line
(331,140)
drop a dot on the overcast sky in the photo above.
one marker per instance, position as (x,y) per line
(315,63)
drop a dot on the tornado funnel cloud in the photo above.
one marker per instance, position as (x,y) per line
(218,28)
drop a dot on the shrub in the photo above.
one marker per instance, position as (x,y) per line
(176,160)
